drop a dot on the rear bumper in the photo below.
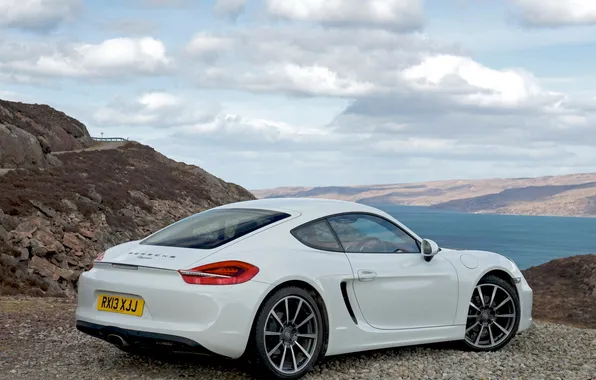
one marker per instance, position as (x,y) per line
(142,339)
(215,319)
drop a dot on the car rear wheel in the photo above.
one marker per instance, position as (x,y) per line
(288,334)
(493,315)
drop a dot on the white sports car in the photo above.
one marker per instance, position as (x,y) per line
(285,282)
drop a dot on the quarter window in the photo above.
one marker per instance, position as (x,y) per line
(317,235)
(370,234)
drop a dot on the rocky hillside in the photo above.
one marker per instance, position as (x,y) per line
(58,212)
(565,290)
(568,195)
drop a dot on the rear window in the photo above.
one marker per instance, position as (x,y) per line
(213,228)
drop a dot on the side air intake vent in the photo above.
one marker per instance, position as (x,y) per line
(344,292)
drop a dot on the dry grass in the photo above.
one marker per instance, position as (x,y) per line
(109,173)
(32,305)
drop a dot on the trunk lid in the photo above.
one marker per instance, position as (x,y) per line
(152,256)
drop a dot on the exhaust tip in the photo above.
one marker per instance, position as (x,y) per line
(117,340)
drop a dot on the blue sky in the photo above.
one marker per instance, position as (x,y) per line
(270,93)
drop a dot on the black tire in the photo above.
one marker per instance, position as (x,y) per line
(513,306)
(257,351)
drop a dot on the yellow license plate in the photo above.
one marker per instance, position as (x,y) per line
(118,304)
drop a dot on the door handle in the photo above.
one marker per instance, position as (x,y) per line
(366,275)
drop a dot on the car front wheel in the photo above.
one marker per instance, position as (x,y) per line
(493,315)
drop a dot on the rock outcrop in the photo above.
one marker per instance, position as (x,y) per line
(55,130)
(20,149)
(565,290)
(58,213)
(30,132)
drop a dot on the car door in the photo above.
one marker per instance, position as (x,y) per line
(395,287)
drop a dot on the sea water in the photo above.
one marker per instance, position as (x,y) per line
(528,240)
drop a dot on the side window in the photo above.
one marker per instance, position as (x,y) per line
(317,235)
(371,234)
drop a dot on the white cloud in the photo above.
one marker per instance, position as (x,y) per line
(397,14)
(230,7)
(156,109)
(482,86)
(36,14)
(208,44)
(411,98)
(158,100)
(317,80)
(316,60)
(225,125)
(110,58)
(313,62)
(557,12)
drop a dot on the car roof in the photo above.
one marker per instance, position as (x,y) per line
(306,209)
(311,208)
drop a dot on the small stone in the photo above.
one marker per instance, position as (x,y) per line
(24,256)
(94,195)
(71,241)
(3,234)
(29,227)
(86,233)
(46,210)
(42,266)
(69,205)
(37,248)
(48,241)
(20,238)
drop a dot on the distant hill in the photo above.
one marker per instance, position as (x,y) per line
(64,198)
(566,195)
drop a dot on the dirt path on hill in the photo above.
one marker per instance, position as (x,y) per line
(100,146)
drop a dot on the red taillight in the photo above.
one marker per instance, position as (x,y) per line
(222,273)
(98,258)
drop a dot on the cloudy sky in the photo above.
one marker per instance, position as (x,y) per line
(270,93)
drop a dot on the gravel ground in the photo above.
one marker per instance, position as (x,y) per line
(38,341)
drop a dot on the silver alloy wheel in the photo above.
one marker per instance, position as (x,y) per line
(290,334)
(491,316)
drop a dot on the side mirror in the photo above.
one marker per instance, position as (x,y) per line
(429,249)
